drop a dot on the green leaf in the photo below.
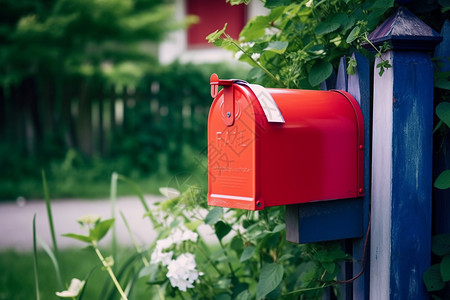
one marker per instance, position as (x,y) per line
(341,19)
(432,278)
(270,277)
(382,4)
(248,253)
(440,244)
(237,2)
(351,67)
(101,229)
(222,229)
(443,180)
(54,260)
(324,28)
(212,37)
(319,73)
(237,244)
(279,228)
(79,237)
(214,215)
(445,268)
(276,3)
(442,84)
(277,47)
(254,29)
(244,295)
(330,267)
(444,3)
(353,35)
(192,226)
(443,112)
(276,293)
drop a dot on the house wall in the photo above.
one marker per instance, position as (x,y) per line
(176,45)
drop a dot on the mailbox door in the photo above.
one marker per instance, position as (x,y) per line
(233,151)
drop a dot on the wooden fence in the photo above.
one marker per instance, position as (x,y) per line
(166,112)
(399,170)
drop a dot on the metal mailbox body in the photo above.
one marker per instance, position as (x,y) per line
(316,154)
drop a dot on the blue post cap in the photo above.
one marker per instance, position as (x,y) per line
(404,31)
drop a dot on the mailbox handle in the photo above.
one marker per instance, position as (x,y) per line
(228,91)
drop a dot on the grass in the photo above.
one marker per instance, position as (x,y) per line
(94,176)
(17,279)
(70,187)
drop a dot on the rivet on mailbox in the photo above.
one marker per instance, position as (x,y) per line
(269,147)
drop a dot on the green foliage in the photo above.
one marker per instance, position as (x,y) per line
(299,42)
(269,278)
(146,146)
(443,113)
(437,277)
(75,38)
(443,180)
(251,260)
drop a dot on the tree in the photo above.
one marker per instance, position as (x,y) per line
(57,55)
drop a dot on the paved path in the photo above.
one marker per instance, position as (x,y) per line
(16,219)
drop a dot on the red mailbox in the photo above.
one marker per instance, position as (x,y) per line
(269,147)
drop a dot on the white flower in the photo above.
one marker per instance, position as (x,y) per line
(309,3)
(89,221)
(255,56)
(182,234)
(238,54)
(248,45)
(74,289)
(182,273)
(161,257)
(179,235)
(164,243)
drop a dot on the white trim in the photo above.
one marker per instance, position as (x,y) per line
(232,197)
(380,242)
(268,104)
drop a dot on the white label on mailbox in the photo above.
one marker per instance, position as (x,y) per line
(266,100)
(268,104)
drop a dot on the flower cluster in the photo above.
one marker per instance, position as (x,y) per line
(182,271)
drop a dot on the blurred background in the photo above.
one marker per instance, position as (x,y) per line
(88,87)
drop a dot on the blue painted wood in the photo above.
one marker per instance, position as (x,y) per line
(324,220)
(341,79)
(402,166)
(411,174)
(441,203)
(359,87)
(404,31)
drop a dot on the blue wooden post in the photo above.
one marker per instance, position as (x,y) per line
(359,87)
(402,159)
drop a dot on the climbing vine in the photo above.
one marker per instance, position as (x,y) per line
(299,43)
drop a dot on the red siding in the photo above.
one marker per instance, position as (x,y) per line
(213,15)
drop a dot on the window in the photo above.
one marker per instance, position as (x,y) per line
(213,14)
